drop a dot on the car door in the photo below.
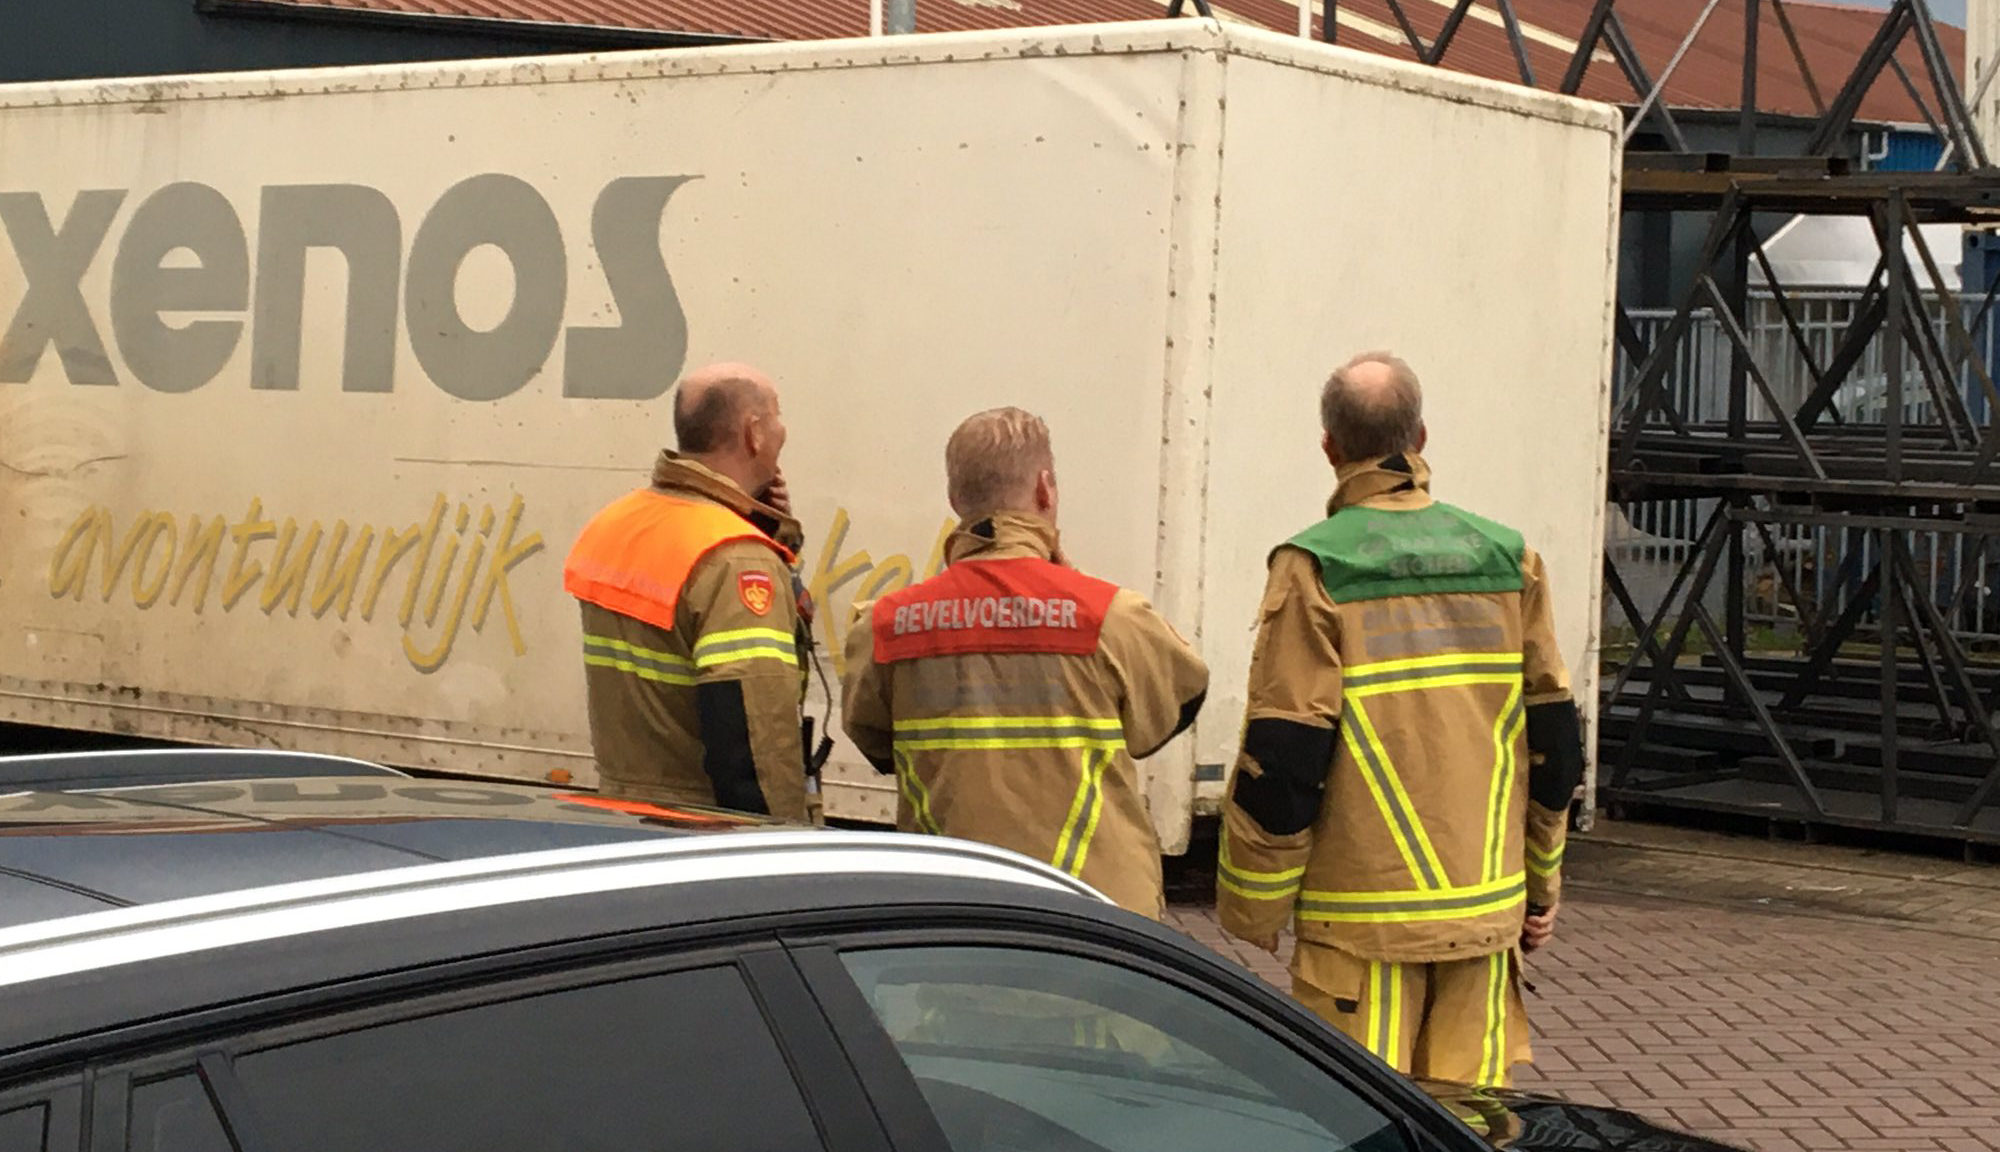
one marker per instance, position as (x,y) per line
(718,1050)
(1065,1039)
(43,1116)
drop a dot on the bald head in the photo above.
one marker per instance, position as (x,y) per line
(1000,461)
(1372,406)
(713,403)
(726,416)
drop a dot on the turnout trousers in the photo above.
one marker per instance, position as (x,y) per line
(1461,1021)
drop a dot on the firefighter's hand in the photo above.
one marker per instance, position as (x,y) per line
(778,496)
(1537,931)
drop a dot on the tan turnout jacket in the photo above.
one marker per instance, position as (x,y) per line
(1011,695)
(705,711)
(1411,748)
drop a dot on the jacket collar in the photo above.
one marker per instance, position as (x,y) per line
(678,474)
(1002,536)
(1402,481)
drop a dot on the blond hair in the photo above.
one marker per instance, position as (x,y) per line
(992,461)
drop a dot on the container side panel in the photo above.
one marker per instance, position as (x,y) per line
(314,391)
(1471,241)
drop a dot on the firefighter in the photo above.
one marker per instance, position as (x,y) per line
(1011,694)
(692,634)
(1409,755)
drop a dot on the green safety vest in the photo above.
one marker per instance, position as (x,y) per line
(1372,553)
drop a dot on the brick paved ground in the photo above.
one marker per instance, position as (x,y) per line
(1780,997)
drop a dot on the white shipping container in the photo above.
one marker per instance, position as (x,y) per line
(1980,78)
(311,378)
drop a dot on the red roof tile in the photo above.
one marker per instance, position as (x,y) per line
(1831,37)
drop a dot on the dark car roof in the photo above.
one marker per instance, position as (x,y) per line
(67,850)
(72,841)
(126,767)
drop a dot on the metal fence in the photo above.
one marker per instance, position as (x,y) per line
(1819,566)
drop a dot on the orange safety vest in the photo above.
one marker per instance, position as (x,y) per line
(634,557)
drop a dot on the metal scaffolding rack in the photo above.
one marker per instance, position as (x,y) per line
(1883,715)
(1882,718)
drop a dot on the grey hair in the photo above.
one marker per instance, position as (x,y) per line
(1368,423)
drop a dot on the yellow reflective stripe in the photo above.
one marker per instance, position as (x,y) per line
(1394,801)
(1375,789)
(1499,887)
(1070,732)
(1427,916)
(1410,907)
(1447,680)
(739,644)
(642,671)
(1545,863)
(645,663)
(1396,1017)
(1385,1011)
(1378,1041)
(1252,885)
(1253,892)
(1442,660)
(653,654)
(1290,876)
(1497,802)
(943,742)
(731,636)
(1073,844)
(1112,724)
(1494,1054)
(917,795)
(1096,813)
(782,655)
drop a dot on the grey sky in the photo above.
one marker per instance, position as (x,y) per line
(1950,11)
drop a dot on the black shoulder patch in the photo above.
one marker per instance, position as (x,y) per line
(1555,739)
(1294,759)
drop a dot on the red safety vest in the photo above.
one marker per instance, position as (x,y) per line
(1019,604)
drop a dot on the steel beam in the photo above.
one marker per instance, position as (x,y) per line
(1519,42)
(1706,561)
(1746,113)
(1627,56)
(1840,114)
(1449,32)
(1410,31)
(1586,47)
(1767,723)
(1799,56)
(1964,135)
(1888,607)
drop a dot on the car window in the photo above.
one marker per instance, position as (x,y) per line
(680,1061)
(174,1114)
(1023,1049)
